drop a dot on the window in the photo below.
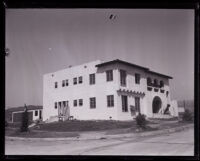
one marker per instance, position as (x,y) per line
(55,105)
(75,80)
(80,102)
(67,83)
(64,103)
(80,80)
(137,104)
(36,113)
(123,77)
(155,83)
(56,84)
(167,93)
(149,81)
(137,78)
(124,104)
(110,100)
(63,83)
(161,84)
(92,78)
(75,103)
(93,102)
(109,75)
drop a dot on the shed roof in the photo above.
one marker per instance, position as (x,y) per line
(21,108)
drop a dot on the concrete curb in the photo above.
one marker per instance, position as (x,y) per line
(103,136)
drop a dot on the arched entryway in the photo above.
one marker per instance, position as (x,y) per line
(156,105)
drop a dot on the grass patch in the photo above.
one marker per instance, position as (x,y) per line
(40,134)
(78,125)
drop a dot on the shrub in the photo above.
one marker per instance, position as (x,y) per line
(187,115)
(24,125)
(141,121)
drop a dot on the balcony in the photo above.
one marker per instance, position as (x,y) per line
(156,89)
(162,91)
(149,88)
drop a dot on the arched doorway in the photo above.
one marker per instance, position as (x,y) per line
(156,105)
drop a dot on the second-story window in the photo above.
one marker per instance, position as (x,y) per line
(75,80)
(92,78)
(137,78)
(56,84)
(161,84)
(155,83)
(63,83)
(149,81)
(123,77)
(109,75)
(80,80)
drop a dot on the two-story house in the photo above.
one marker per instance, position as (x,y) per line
(98,90)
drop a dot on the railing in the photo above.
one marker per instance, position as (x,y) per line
(156,87)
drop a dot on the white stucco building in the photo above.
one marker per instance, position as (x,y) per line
(99,90)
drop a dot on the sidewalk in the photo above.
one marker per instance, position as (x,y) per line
(96,135)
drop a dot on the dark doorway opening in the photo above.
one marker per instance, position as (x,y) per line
(156,105)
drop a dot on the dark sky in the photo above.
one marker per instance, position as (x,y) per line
(47,40)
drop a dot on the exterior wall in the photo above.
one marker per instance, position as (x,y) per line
(150,95)
(131,85)
(84,91)
(100,90)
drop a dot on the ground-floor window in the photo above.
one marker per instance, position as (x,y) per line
(80,102)
(110,100)
(137,104)
(92,102)
(124,103)
(75,103)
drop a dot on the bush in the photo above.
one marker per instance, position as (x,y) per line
(141,121)
(24,124)
(187,115)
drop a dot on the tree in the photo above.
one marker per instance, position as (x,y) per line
(24,124)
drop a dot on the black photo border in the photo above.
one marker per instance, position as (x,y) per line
(134,4)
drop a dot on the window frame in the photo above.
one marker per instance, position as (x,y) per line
(36,112)
(92,102)
(161,83)
(55,84)
(55,105)
(75,103)
(80,80)
(137,78)
(63,83)
(123,76)
(92,79)
(137,106)
(124,103)
(109,75)
(110,100)
(80,102)
(75,81)
(66,82)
